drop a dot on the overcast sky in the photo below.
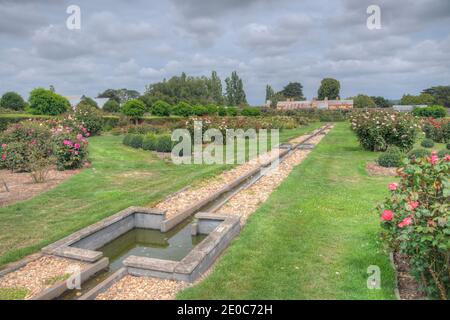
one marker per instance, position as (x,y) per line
(133,43)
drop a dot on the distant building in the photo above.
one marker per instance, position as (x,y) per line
(407,108)
(315,104)
(75,100)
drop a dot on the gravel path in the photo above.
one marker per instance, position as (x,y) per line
(40,274)
(244,204)
(142,288)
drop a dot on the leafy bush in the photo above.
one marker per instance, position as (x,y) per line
(200,111)
(86,101)
(150,142)
(437,129)
(71,150)
(141,129)
(251,112)
(23,142)
(13,101)
(416,221)
(164,143)
(134,109)
(212,109)
(183,109)
(431,111)
(89,117)
(127,139)
(222,111)
(427,143)
(46,102)
(8,119)
(136,141)
(363,101)
(161,108)
(111,106)
(443,153)
(418,153)
(378,129)
(448,146)
(232,111)
(393,157)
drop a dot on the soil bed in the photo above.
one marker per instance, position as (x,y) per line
(407,285)
(373,169)
(22,187)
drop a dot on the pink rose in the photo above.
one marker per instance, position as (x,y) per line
(87,134)
(66,142)
(77,146)
(4,145)
(447,158)
(77,153)
(433,159)
(392,186)
(405,222)
(79,137)
(387,215)
(413,205)
(3,157)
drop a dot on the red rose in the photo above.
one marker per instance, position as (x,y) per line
(387,215)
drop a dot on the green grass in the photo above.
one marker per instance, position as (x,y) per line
(119,177)
(315,236)
(12,294)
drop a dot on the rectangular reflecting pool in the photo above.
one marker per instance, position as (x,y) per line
(173,245)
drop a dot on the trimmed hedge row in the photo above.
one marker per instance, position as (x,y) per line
(151,142)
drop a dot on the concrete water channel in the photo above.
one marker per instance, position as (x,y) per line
(144,242)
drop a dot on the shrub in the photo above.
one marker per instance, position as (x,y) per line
(111,106)
(200,111)
(437,129)
(431,111)
(161,108)
(448,146)
(46,102)
(393,157)
(222,111)
(127,139)
(71,149)
(149,143)
(134,109)
(251,112)
(13,101)
(415,219)
(23,142)
(141,129)
(443,153)
(212,109)
(89,117)
(418,153)
(86,101)
(136,141)
(164,143)
(183,109)
(363,101)
(378,129)
(232,111)
(427,143)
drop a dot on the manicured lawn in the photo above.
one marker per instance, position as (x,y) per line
(314,238)
(120,177)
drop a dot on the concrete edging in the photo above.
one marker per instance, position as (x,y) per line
(104,285)
(61,287)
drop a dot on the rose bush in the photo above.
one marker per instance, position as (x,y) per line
(378,129)
(415,219)
(437,129)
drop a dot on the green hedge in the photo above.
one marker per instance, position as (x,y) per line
(7,119)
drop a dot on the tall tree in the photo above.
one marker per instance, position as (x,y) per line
(216,88)
(441,95)
(235,93)
(329,88)
(381,102)
(294,90)
(423,98)
(119,95)
(270,93)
